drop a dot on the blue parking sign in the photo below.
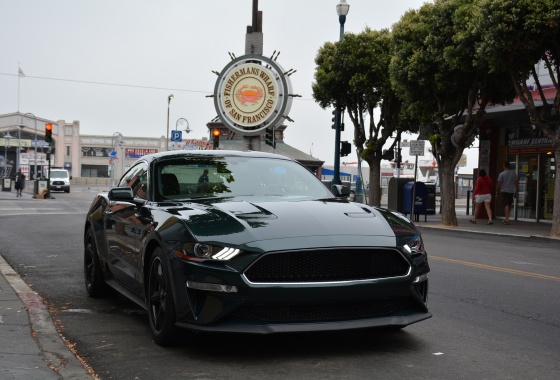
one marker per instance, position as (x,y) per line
(176,136)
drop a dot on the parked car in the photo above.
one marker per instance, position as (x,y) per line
(250,242)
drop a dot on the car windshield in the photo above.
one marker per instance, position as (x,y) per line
(58,174)
(231,176)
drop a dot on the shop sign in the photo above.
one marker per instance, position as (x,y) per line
(530,145)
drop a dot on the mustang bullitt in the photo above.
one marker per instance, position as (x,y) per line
(249,242)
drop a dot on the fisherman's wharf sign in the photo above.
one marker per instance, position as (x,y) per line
(251,94)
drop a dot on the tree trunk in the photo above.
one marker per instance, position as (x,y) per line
(374,181)
(447,175)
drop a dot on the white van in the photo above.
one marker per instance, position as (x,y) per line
(60,180)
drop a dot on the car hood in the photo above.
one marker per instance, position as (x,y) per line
(287,225)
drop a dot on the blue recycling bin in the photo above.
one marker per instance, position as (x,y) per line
(420,202)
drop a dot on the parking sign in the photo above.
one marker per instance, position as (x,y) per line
(176,136)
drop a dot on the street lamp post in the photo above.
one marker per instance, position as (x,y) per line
(7,139)
(168,103)
(342,9)
(35,147)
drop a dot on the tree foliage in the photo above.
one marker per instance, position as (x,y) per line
(353,74)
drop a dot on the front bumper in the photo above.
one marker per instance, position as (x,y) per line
(270,308)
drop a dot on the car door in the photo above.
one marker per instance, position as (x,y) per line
(125,229)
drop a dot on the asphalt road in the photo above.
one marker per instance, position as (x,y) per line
(494,300)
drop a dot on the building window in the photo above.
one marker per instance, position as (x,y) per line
(96,171)
(68,151)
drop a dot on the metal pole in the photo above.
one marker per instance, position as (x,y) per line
(336,174)
(34,151)
(168,103)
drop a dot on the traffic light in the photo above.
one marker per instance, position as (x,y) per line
(216,138)
(388,154)
(333,126)
(345,148)
(269,137)
(48,133)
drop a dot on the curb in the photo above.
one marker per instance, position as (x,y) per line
(453,230)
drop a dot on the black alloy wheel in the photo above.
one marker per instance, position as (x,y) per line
(95,286)
(161,306)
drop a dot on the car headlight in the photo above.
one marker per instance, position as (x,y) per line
(202,251)
(415,246)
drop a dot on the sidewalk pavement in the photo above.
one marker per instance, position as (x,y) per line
(32,348)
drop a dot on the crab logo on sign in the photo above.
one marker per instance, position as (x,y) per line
(251,94)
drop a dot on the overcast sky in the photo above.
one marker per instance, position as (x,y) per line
(111,64)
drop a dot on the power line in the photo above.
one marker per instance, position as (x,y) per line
(109,84)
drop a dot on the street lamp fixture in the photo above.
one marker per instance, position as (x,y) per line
(342,9)
(168,103)
(182,122)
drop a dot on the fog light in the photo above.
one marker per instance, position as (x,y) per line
(212,287)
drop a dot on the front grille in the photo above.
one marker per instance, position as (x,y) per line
(328,266)
(58,182)
(321,313)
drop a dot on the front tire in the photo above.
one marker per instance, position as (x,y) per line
(95,286)
(160,301)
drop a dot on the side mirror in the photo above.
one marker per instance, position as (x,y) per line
(124,194)
(340,191)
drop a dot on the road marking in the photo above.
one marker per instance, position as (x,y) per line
(526,263)
(498,269)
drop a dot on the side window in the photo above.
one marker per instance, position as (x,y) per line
(137,179)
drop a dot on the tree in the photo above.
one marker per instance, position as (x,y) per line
(435,71)
(516,35)
(353,74)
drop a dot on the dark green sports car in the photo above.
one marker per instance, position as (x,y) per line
(250,242)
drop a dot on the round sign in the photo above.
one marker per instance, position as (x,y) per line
(251,94)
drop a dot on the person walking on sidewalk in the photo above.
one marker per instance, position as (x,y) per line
(20,183)
(482,194)
(507,184)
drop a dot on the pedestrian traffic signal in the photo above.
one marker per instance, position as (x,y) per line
(269,137)
(216,138)
(48,133)
(345,148)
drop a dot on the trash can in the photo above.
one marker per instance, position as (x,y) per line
(395,193)
(6,184)
(420,200)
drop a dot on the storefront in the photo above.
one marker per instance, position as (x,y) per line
(532,157)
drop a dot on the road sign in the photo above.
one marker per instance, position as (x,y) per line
(417,148)
(176,136)
(113,154)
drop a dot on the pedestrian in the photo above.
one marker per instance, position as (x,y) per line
(507,185)
(20,183)
(482,194)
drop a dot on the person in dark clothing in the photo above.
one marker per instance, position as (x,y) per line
(20,183)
